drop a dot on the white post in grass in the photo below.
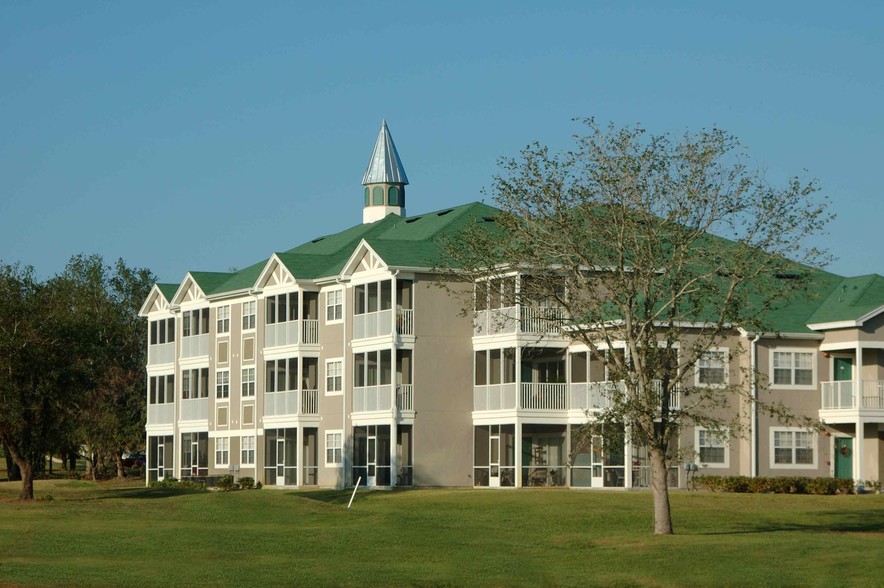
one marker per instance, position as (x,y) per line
(355,488)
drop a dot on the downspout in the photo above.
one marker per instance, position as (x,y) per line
(753,361)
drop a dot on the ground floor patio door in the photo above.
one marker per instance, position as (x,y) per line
(194,459)
(371,458)
(844,458)
(280,461)
(161,458)
(597,463)
(494,461)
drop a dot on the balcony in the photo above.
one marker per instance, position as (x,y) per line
(194,346)
(841,399)
(291,403)
(299,332)
(160,414)
(518,320)
(380,398)
(195,409)
(161,353)
(380,323)
(582,396)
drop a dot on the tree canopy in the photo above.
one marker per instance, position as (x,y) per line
(663,247)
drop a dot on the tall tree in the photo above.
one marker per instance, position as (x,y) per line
(659,246)
(36,369)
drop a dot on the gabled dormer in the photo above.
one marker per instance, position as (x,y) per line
(384,180)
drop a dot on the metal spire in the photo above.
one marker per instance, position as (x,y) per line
(384,167)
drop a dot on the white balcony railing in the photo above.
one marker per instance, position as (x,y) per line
(291,402)
(195,409)
(160,414)
(544,397)
(162,353)
(195,346)
(839,395)
(405,396)
(494,397)
(581,396)
(304,332)
(373,324)
(405,321)
(372,398)
(518,319)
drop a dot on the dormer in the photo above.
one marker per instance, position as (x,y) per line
(384,180)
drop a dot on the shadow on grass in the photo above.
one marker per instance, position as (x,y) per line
(828,522)
(150,493)
(342,497)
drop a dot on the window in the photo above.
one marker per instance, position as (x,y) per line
(792,368)
(377,195)
(248,381)
(195,322)
(282,308)
(223,318)
(162,389)
(334,375)
(247,456)
(334,306)
(162,331)
(792,448)
(393,196)
(222,384)
(333,448)
(281,375)
(712,448)
(195,383)
(712,368)
(248,314)
(222,450)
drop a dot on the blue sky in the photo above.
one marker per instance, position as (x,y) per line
(206,136)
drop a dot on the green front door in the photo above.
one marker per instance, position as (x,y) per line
(844,457)
(843,369)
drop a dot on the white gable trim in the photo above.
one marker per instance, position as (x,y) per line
(154,295)
(276,270)
(186,284)
(848,324)
(364,252)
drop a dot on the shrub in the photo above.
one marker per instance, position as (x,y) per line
(258,485)
(171,482)
(246,482)
(778,485)
(226,483)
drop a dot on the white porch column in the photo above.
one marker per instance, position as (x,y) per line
(518,456)
(858,378)
(858,452)
(299,454)
(627,459)
(394,454)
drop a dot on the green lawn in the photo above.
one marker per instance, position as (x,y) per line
(111,534)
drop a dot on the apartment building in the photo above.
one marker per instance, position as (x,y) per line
(346,358)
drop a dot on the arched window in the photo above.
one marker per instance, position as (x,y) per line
(377,195)
(393,196)
(367,196)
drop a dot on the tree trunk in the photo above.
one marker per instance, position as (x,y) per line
(72,463)
(660,491)
(27,481)
(13,472)
(118,457)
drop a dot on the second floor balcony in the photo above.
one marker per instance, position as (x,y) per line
(195,409)
(161,414)
(584,396)
(161,353)
(194,346)
(383,322)
(383,397)
(296,332)
(291,403)
(518,320)
(864,397)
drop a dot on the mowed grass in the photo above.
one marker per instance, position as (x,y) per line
(108,534)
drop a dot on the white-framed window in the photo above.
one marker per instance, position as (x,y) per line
(247,451)
(162,389)
(222,317)
(334,306)
(249,311)
(222,451)
(712,448)
(712,368)
(334,376)
(222,384)
(333,448)
(162,331)
(248,381)
(195,383)
(194,322)
(792,368)
(792,447)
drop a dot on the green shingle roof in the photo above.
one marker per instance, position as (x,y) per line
(850,299)
(413,242)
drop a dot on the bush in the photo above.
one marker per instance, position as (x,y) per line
(171,482)
(778,485)
(246,482)
(226,484)
(258,485)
